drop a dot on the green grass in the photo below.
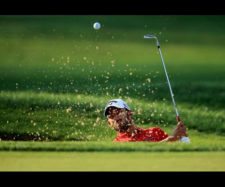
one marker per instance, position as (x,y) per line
(61,161)
(80,117)
(64,54)
(57,73)
(199,142)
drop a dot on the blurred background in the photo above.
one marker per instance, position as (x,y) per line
(57,73)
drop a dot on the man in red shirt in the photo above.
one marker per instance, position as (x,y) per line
(119,118)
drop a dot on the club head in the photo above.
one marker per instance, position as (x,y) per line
(150,36)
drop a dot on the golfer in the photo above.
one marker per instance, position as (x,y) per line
(119,117)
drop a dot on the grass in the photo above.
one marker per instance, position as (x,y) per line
(57,73)
(200,142)
(63,54)
(61,161)
(80,117)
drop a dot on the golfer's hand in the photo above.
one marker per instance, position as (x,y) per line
(180,130)
(180,124)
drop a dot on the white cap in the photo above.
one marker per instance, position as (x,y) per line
(118,103)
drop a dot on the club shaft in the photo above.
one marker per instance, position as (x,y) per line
(168,81)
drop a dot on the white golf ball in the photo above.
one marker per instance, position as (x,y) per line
(97,25)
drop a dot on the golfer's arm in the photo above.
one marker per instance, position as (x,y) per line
(170,139)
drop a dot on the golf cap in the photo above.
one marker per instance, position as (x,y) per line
(118,103)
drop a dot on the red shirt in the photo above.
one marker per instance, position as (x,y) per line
(153,134)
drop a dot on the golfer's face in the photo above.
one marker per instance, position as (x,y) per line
(119,119)
(112,116)
(113,112)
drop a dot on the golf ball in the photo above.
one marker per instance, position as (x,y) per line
(97,25)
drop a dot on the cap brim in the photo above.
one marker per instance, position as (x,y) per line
(107,109)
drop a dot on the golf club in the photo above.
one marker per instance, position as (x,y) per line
(150,36)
